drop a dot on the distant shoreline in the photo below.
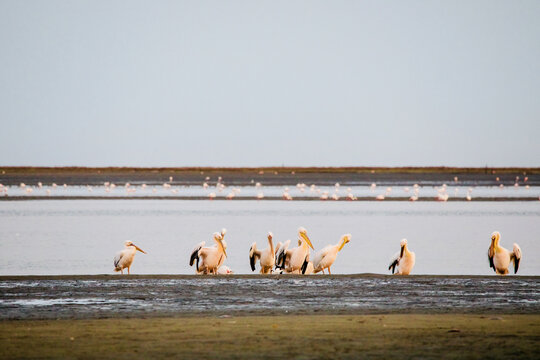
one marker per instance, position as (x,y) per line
(266,198)
(271,176)
(298,169)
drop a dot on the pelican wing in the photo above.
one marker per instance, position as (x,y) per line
(491,254)
(516,257)
(281,255)
(319,256)
(195,254)
(305,265)
(116,261)
(394,263)
(254,254)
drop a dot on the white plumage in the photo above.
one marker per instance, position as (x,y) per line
(266,256)
(209,259)
(297,256)
(403,261)
(500,258)
(124,258)
(324,258)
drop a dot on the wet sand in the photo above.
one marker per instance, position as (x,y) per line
(276,176)
(88,297)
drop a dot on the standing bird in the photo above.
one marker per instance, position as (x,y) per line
(124,258)
(298,254)
(209,259)
(404,260)
(325,258)
(267,257)
(282,257)
(500,258)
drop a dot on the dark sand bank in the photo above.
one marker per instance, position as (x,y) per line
(266,198)
(108,296)
(276,176)
(493,336)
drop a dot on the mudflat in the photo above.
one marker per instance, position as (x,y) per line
(493,336)
(145,296)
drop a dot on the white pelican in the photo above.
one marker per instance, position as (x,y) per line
(124,258)
(267,257)
(324,258)
(404,260)
(298,254)
(500,258)
(209,259)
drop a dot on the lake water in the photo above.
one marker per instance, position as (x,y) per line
(82,236)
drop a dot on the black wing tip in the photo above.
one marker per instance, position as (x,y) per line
(252,262)
(393,266)
(194,255)
(304,266)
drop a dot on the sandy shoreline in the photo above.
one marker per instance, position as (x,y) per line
(266,198)
(494,336)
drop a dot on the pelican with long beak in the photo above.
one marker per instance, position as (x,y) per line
(500,258)
(267,257)
(209,259)
(124,258)
(298,255)
(403,261)
(325,258)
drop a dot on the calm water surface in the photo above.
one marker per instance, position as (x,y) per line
(82,236)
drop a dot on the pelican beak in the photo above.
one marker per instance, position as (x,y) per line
(222,247)
(402,249)
(346,240)
(138,248)
(305,237)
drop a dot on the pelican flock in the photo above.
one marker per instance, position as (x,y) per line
(124,258)
(500,258)
(299,260)
(403,260)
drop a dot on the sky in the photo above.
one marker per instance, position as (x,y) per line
(269,83)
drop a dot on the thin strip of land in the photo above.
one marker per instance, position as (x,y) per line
(268,175)
(267,198)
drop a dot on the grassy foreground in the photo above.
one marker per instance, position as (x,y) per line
(284,336)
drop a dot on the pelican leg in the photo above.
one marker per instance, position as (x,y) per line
(122,271)
(329,273)
(128,270)
(323,271)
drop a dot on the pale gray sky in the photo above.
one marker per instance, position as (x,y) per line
(249,83)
